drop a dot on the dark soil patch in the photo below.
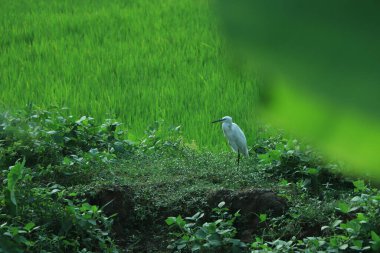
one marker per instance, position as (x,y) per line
(120,200)
(116,200)
(251,203)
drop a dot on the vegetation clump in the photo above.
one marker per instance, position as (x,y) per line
(65,182)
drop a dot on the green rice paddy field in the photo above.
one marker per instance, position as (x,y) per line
(139,61)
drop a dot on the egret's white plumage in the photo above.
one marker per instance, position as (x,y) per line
(235,136)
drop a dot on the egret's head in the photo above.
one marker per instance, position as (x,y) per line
(226,119)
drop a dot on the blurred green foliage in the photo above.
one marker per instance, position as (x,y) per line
(330,48)
(320,66)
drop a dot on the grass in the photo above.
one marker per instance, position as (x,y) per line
(137,61)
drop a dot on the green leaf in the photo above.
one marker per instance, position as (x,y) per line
(224,231)
(336,223)
(14,175)
(283,182)
(67,161)
(28,227)
(181,246)
(359,185)
(92,221)
(94,209)
(55,191)
(264,158)
(356,199)
(82,119)
(343,207)
(221,204)
(362,218)
(352,209)
(375,237)
(13,230)
(333,242)
(215,243)
(312,171)
(218,221)
(170,220)
(195,247)
(201,233)
(196,216)
(358,244)
(262,217)
(180,222)
(86,207)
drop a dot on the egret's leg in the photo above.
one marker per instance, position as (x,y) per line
(238,159)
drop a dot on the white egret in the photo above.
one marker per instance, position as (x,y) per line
(235,136)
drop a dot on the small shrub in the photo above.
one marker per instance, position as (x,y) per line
(358,232)
(214,236)
(54,137)
(160,138)
(49,219)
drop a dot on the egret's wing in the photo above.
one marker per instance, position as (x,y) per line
(238,133)
(229,134)
(240,139)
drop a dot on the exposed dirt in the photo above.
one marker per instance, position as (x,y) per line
(251,203)
(120,200)
(116,200)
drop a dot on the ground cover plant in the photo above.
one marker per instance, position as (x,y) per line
(114,195)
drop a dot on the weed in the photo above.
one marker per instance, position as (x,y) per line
(214,236)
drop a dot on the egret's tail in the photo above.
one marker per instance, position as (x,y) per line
(245,153)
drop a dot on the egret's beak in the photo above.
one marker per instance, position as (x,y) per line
(216,121)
